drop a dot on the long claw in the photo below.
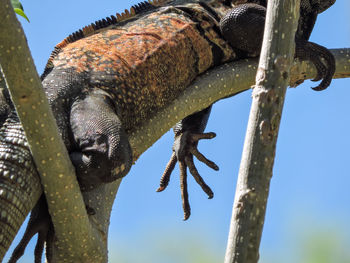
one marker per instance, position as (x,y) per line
(198,178)
(184,193)
(320,68)
(39,247)
(49,243)
(200,136)
(203,159)
(314,52)
(164,180)
(330,62)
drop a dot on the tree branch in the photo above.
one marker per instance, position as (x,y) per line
(259,149)
(50,155)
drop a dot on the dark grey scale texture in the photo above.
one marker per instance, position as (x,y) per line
(18,177)
(243,28)
(194,123)
(316,5)
(101,151)
(309,9)
(305,50)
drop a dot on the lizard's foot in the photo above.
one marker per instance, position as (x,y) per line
(321,57)
(185,146)
(39,223)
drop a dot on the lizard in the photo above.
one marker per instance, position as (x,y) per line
(106,78)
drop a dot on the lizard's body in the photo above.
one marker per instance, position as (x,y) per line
(112,75)
(123,59)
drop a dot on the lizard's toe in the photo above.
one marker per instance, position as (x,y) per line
(321,57)
(185,147)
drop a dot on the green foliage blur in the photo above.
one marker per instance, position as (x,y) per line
(305,241)
(166,246)
(18,8)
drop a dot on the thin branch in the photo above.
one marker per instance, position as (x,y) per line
(260,143)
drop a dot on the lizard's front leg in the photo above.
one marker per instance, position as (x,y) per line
(103,153)
(243,28)
(187,134)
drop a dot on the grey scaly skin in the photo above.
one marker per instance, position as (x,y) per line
(19,180)
(97,98)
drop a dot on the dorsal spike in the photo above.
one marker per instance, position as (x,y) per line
(61,44)
(75,36)
(80,33)
(103,23)
(109,20)
(87,30)
(125,14)
(143,6)
(114,19)
(97,24)
(70,38)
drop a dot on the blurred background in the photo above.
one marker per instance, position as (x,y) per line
(308,211)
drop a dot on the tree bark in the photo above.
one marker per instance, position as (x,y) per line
(259,148)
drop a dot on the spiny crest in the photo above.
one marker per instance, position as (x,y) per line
(103,23)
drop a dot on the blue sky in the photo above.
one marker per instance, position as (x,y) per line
(309,193)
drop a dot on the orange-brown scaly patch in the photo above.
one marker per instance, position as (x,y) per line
(145,63)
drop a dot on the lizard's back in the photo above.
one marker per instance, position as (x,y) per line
(142,63)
